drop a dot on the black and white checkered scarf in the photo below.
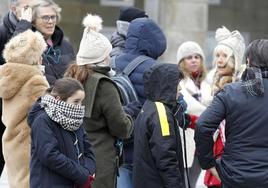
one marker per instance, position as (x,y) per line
(69,116)
(252,81)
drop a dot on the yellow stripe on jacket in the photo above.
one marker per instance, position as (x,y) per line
(162,118)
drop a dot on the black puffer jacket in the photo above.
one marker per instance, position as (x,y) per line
(158,160)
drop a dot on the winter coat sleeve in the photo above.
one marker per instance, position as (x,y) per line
(22,26)
(120,124)
(165,153)
(90,162)
(46,146)
(206,125)
(133,109)
(3,41)
(194,106)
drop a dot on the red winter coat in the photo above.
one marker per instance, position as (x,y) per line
(218,147)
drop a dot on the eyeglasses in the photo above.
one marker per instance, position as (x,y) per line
(47,18)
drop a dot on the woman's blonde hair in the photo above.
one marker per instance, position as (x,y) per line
(45,3)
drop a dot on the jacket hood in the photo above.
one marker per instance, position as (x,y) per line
(161,82)
(122,27)
(34,112)
(144,37)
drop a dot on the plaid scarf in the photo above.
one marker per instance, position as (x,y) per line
(69,116)
(252,82)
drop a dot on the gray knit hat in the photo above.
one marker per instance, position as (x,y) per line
(189,48)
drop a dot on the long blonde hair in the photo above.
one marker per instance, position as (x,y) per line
(202,72)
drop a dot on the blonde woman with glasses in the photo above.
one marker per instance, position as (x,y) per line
(43,16)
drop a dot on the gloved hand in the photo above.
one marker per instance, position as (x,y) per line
(190,120)
(88,182)
(132,109)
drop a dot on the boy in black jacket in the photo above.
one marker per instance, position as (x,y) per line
(158,160)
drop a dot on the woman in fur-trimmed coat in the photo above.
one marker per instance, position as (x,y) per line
(197,95)
(21,83)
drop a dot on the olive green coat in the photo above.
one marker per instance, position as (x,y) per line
(105,121)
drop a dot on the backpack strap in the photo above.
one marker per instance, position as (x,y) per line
(134,63)
(112,62)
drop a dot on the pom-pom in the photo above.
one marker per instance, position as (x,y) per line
(222,33)
(93,22)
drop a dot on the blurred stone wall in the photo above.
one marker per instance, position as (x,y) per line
(3,8)
(181,20)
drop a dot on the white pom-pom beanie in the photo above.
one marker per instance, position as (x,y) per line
(233,40)
(189,48)
(94,47)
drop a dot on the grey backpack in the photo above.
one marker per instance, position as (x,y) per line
(126,89)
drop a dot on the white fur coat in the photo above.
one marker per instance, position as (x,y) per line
(194,107)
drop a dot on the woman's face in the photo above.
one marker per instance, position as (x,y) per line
(76,98)
(192,63)
(46,21)
(221,60)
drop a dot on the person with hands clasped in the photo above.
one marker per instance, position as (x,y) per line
(61,154)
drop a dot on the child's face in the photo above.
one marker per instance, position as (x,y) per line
(76,98)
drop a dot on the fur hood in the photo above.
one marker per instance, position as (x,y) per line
(25,48)
(13,76)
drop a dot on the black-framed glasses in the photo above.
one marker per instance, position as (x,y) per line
(47,18)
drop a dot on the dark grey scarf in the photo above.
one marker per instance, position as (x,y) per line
(69,116)
(252,81)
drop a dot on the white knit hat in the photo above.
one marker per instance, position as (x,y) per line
(94,47)
(189,48)
(233,40)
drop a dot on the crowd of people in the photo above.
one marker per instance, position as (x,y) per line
(63,123)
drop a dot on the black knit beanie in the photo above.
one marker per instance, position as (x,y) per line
(130,13)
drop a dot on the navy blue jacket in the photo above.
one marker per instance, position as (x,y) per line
(144,37)
(244,163)
(158,160)
(54,158)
